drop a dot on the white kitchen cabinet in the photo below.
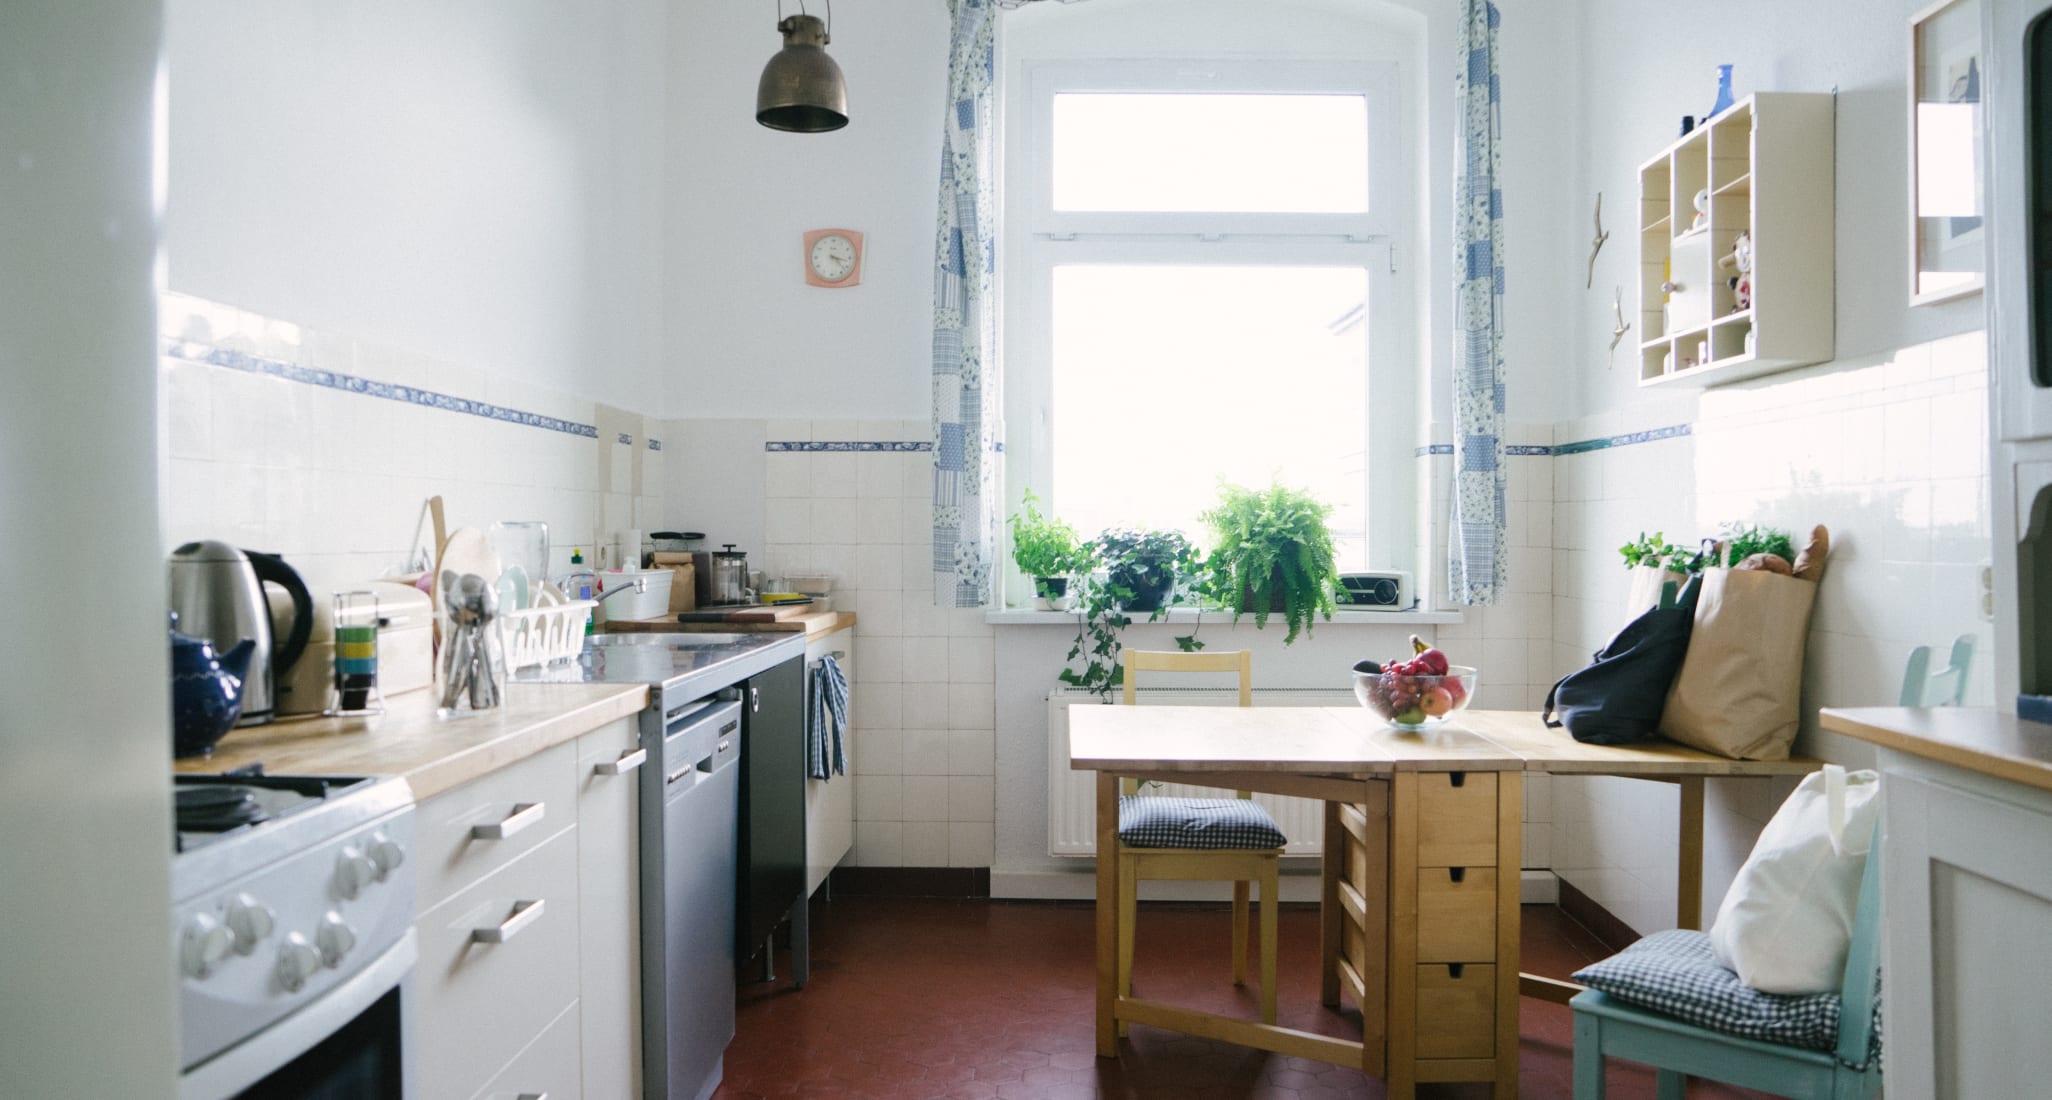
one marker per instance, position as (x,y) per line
(498,963)
(609,901)
(830,804)
(1967,901)
(547,1068)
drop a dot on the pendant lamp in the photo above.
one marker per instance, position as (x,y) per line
(801,88)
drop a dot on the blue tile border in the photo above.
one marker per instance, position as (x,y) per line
(843,445)
(1580,446)
(1650,435)
(655,444)
(195,352)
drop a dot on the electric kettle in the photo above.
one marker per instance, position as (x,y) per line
(218,593)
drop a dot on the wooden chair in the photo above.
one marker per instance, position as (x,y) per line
(1678,1050)
(1945,688)
(1240,866)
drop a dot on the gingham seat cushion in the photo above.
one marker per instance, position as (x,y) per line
(1160,821)
(1676,974)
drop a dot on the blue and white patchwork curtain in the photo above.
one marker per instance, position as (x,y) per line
(1477,546)
(966,420)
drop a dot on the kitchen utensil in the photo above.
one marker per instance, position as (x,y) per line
(218,593)
(729,583)
(356,622)
(474,663)
(521,542)
(406,648)
(206,690)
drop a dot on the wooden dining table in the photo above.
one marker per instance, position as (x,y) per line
(1420,866)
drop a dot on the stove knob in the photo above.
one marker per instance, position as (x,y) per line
(353,871)
(298,960)
(206,942)
(386,854)
(335,938)
(250,920)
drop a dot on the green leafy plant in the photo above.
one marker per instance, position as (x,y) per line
(1745,540)
(1046,548)
(1135,563)
(1653,550)
(1741,539)
(1274,553)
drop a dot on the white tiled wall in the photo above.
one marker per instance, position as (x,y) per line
(334,480)
(1890,452)
(923,695)
(1509,642)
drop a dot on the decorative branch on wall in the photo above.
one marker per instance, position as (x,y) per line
(1596,245)
(1623,326)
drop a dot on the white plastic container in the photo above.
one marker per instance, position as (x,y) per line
(653,602)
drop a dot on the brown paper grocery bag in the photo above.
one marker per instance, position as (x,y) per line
(1739,692)
(1645,591)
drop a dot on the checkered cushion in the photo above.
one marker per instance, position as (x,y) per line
(1158,821)
(1676,973)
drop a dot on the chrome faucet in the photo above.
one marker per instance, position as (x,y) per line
(640,585)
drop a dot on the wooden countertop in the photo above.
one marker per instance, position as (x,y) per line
(814,625)
(1979,739)
(433,754)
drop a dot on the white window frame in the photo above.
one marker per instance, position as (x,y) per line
(1036,238)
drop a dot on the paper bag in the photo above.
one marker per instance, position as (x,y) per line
(1739,693)
(1646,584)
(683,579)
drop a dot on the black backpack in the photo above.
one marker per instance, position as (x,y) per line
(1619,697)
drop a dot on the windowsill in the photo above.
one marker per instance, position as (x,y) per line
(1015,616)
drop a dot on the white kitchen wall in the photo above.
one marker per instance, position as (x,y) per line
(322,448)
(480,181)
(1885,445)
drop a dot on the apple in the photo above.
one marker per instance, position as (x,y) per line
(1436,701)
(1434,662)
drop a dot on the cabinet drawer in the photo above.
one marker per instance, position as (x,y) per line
(548,1067)
(608,913)
(534,799)
(481,1003)
(1456,1016)
(1457,822)
(1456,919)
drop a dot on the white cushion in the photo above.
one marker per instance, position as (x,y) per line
(1787,921)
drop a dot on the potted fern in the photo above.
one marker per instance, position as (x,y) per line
(1047,550)
(1273,553)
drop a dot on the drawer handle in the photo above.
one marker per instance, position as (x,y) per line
(628,762)
(1460,779)
(532,1096)
(523,815)
(1453,970)
(524,913)
(725,745)
(1457,874)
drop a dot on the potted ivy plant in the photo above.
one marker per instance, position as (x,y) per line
(1273,553)
(1049,551)
(1140,571)
(1142,566)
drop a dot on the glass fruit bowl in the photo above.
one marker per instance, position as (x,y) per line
(1416,702)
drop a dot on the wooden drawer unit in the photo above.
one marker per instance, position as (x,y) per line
(498,962)
(467,833)
(1456,915)
(547,1068)
(1457,819)
(1456,1014)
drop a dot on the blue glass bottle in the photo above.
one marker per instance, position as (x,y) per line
(1723,91)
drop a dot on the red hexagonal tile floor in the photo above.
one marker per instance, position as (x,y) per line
(935,999)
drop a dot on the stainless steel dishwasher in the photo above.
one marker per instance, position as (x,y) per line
(688,1015)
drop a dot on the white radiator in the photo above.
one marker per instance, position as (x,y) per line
(1072,795)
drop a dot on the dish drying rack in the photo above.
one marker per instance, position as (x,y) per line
(545,635)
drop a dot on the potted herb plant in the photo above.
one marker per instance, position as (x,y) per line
(1273,554)
(1047,550)
(1141,566)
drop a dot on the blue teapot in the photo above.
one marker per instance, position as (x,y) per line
(206,690)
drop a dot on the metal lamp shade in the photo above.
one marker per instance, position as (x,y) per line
(801,88)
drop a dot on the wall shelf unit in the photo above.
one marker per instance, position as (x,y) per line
(1767,165)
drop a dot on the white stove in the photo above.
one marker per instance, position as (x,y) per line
(292,910)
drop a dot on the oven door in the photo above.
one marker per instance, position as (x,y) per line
(348,1045)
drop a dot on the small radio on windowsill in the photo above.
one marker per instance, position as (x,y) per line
(1374,591)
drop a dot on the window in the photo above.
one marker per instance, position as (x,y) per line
(1198,285)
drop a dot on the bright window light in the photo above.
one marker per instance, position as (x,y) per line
(1168,378)
(1187,152)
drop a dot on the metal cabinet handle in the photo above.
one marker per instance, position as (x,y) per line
(523,815)
(524,913)
(725,745)
(628,762)
(754,699)
(532,1096)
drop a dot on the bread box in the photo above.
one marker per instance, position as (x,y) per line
(406,653)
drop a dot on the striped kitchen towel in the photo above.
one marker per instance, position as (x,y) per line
(826,721)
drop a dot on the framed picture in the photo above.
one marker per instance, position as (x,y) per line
(1948,250)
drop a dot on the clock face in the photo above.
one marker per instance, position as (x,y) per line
(833,257)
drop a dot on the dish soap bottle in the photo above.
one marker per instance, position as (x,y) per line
(584,580)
